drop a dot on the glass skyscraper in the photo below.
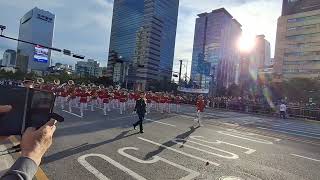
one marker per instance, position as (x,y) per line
(143,36)
(215,54)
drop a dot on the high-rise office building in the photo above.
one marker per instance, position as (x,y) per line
(36,26)
(143,36)
(262,52)
(290,7)
(297,53)
(215,56)
(88,68)
(9,58)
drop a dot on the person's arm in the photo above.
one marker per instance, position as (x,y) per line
(23,169)
(135,107)
(34,144)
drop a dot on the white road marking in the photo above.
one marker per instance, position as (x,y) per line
(298,130)
(155,159)
(305,157)
(160,122)
(232,155)
(249,150)
(298,126)
(180,152)
(98,174)
(124,117)
(253,134)
(288,132)
(241,136)
(72,113)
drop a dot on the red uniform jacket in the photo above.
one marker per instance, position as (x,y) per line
(84,97)
(200,105)
(123,98)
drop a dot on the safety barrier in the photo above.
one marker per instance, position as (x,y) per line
(299,112)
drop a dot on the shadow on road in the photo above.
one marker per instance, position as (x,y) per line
(84,147)
(170,143)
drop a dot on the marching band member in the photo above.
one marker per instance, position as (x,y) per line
(106,102)
(162,101)
(63,97)
(122,100)
(149,102)
(178,101)
(100,94)
(72,98)
(93,100)
(84,95)
(200,105)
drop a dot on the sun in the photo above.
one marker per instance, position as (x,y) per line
(246,43)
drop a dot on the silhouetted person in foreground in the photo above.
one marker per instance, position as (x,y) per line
(141,110)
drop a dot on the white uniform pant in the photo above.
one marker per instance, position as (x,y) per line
(199,117)
(93,103)
(178,106)
(82,107)
(106,107)
(122,107)
(162,107)
(63,101)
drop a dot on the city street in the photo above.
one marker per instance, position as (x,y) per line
(229,146)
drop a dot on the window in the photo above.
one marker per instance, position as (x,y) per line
(307,53)
(300,19)
(313,26)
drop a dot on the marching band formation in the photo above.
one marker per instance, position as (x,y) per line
(106,99)
(92,97)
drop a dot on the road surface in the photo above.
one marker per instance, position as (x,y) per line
(230,145)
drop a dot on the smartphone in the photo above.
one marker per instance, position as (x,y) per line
(30,108)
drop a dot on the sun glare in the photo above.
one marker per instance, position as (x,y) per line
(246,43)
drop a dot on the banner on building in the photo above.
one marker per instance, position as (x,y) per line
(41,54)
(192,90)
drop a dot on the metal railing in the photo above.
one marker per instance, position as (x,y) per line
(293,111)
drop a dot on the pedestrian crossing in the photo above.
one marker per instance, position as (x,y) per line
(299,128)
(304,129)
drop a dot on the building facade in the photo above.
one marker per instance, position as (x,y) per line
(215,57)
(297,53)
(88,68)
(290,7)
(36,26)
(9,58)
(143,35)
(262,52)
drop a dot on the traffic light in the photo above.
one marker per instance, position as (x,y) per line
(78,56)
(67,52)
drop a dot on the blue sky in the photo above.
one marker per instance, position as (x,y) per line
(84,26)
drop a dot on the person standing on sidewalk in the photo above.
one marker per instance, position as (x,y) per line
(283,110)
(141,110)
(200,105)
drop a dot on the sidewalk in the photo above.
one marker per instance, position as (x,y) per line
(5,160)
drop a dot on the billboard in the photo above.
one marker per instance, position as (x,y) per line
(41,54)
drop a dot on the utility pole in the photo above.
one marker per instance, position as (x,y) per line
(180,71)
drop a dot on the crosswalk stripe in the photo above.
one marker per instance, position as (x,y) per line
(289,133)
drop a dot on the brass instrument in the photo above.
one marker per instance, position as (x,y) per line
(56,82)
(70,82)
(101,86)
(40,81)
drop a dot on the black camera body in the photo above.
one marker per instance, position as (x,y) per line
(30,108)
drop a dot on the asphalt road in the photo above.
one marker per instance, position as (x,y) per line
(229,146)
